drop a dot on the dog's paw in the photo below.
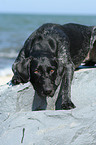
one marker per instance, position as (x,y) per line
(67,105)
(15,80)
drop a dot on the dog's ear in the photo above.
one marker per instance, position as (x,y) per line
(23,69)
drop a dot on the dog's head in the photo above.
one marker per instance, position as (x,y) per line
(41,72)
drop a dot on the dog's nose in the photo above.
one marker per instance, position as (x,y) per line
(47,91)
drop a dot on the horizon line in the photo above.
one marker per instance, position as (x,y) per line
(59,14)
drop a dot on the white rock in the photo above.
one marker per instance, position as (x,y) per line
(20,125)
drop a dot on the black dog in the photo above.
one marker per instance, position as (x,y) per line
(50,56)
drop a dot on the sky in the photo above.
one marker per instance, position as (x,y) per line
(82,7)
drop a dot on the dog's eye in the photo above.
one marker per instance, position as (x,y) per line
(36,71)
(52,71)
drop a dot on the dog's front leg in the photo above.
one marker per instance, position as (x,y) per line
(64,98)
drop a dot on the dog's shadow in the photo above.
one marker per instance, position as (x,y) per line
(39,103)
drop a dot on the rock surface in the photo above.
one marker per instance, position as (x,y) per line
(20,125)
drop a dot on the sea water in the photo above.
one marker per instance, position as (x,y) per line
(15,29)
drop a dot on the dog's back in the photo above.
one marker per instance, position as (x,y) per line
(79,39)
